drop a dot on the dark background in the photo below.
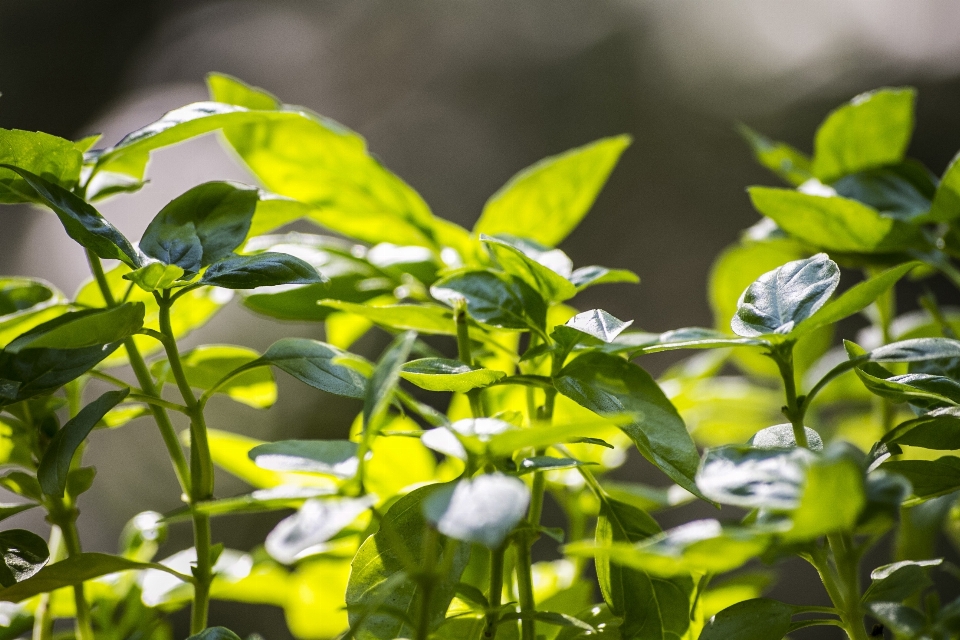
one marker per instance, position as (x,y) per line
(456,96)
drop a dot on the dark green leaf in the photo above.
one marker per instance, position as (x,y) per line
(441,374)
(317,521)
(608,385)
(202,226)
(781,299)
(903,191)
(785,161)
(25,303)
(80,329)
(82,222)
(318,365)
(546,270)
(483,510)
(384,379)
(24,554)
(916,350)
(498,300)
(10,510)
(756,619)
(547,200)
(215,633)
(904,621)
(54,159)
(261,270)
(53,469)
(898,581)
(929,478)
(938,429)
(872,130)
(334,457)
(38,371)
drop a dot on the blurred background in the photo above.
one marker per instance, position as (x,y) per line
(456,96)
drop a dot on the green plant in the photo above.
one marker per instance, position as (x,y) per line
(421,524)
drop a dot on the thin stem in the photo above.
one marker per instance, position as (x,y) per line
(495,594)
(528,629)
(151,400)
(465,355)
(71,539)
(117,382)
(428,561)
(203,573)
(783,356)
(43,616)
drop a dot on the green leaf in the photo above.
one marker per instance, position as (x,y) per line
(754,478)
(261,270)
(500,301)
(381,559)
(904,621)
(946,201)
(920,389)
(785,161)
(81,221)
(938,429)
(54,159)
(262,500)
(588,276)
(651,607)
(207,365)
(833,496)
(37,371)
(483,510)
(548,463)
(781,436)
(215,633)
(685,338)
(318,365)
(547,200)
(929,478)
(871,130)
(426,319)
(610,386)
(202,226)
(383,381)
(833,223)
(903,191)
(24,554)
(79,329)
(55,465)
(10,510)
(441,374)
(600,617)
(25,303)
(317,521)
(546,270)
(916,350)
(334,457)
(898,581)
(781,299)
(755,619)
(73,571)
(155,276)
(595,323)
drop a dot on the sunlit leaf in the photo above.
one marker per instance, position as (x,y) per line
(441,374)
(483,510)
(53,159)
(315,522)
(207,365)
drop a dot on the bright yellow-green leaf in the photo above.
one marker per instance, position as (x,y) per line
(52,158)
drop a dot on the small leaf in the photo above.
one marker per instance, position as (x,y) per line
(54,159)
(315,522)
(596,323)
(546,270)
(208,365)
(589,276)
(547,200)
(318,365)
(756,619)
(441,374)
(785,161)
(548,463)
(483,510)
(498,300)
(215,633)
(335,457)
(155,276)
(81,221)
(383,381)
(898,581)
(781,299)
(55,465)
(781,436)
(80,329)
(266,269)
(24,554)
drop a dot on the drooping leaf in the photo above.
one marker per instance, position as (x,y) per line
(547,200)
(314,523)
(24,554)
(266,269)
(483,510)
(546,270)
(54,159)
(871,130)
(81,329)
(207,365)
(317,364)
(755,619)
(498,300)
(785,161)
(334,457)
(38,371)
(201,226)
(441,374)
(81,221)
(781,299)
(383,381)
(608,385)
(56,461)
(898,581)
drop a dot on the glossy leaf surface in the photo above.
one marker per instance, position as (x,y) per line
(501,301)
(266,269)
(317,364)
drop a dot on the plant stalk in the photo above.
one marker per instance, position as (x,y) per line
(495,595)
(464,353)
(71,540)
(783,356)
(43,616)
(847,562)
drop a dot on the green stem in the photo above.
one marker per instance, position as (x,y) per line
(847,561)
(71,540)
(43,616)
(495,595)
(203,573)
(783,356)
(465,355)
(428,561)
(528,629)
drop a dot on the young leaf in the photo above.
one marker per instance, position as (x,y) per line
(441,374)
(314,523)
(55,159)
(24,554)
(596,323)
(317,365)
(155,276)
(261,270)
(427,319)
(781,299)
(833,223)
(383,381)
(215,633)
(206,366)
(756,619)
(610,386)
(55,465)
(781,436)
(81,221)
(37,371)
(872,130)
(378,572)
(202,226)
(785,161)
(546,270)
(547,463)
(498,300)
(79,329)
(334,457)
(483,510)
(547,200)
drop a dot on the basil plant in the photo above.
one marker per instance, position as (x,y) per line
(494,397)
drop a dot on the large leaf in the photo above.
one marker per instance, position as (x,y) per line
(378,572)
(81,221)
(202,226)
(871,130)
(756,619)
(80,329)
(498,300)
(37,371)
(314,523)
(651,607)
(24,554)
(55,464)
(608,385)
(781,299)
(54,159)
(833,223)
(318,365)
(547,200)
(441,374)
(483,510)
(207,365)
(266,269)
(334,457)
(546,270)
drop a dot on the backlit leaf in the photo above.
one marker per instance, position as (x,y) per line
(53,159)
(441,374)
(207,365)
